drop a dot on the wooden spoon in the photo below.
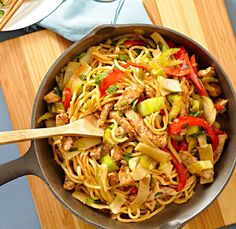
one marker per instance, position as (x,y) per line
(83,127)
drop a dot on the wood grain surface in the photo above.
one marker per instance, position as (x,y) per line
(25,60)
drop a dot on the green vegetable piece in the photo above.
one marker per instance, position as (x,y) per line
(151,105)
(166,58)
(176,101)
(45,116)
(99,77)
(195,106)
(58,107)
(111,166)
(83,77)
(123,56)
(158,71)
(121,41)
(107,139)
(134,105)
(111,89)
(57,91)
(78,57)
(1,13)
(159,40)
(147,162)
(127,156)
(193,131)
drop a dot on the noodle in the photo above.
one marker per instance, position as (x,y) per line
(108,169)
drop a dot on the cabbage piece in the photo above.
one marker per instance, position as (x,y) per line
(86,199)
(117,203)
(75,81)
(170,85)
(159,40)
(176,102)
(82,144)
(70,69)
(151,105)
(139,172)
(143,192)
(107,138)
(133,162)
(155,153)
(111,165)
(87,57)
(209,110)
(198,166)
(147,162)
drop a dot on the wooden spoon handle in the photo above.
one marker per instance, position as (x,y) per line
(24,135)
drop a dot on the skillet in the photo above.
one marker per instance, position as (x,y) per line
(39,158)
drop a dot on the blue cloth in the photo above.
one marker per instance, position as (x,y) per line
(231,7)
(73,19)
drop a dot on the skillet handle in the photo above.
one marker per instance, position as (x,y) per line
(25,165)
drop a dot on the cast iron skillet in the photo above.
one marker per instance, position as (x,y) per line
(39,158)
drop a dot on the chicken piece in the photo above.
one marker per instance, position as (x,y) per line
(96,152)
(62,119)
(105,111)
(116,153)
(219,149)
(113,178)
(220,104)
(208,72)
(68,184)
(67,143)
(140,127)
(150,205)
(168,191)
(129,95)
(184,84)
(51,97)
(189,159)
(125,176)
(124,123)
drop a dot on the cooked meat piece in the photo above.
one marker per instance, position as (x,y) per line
(67,143)
(125,177)
(96,152)
(105,111)
(207,173)
(222,104)
(189,159)
(124,123)
(184,84)
(116,153)
(68,184)
(208,72)
(219,149)
(120,132)
(168,191)
(150,205)
(113,178)
(62,119)
(140,127)
(51,97)
(129,95)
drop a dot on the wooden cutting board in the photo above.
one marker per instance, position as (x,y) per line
(25,60)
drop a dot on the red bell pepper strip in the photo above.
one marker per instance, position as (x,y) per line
(218,107)
(181,170)
(173,71)
(66,96)
(183,145)
(194,64)
(112,78)
(134,42)
(183,55)
(176,126)
(137,65)
(175,144)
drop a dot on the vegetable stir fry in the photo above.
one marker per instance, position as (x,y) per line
(160,113)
